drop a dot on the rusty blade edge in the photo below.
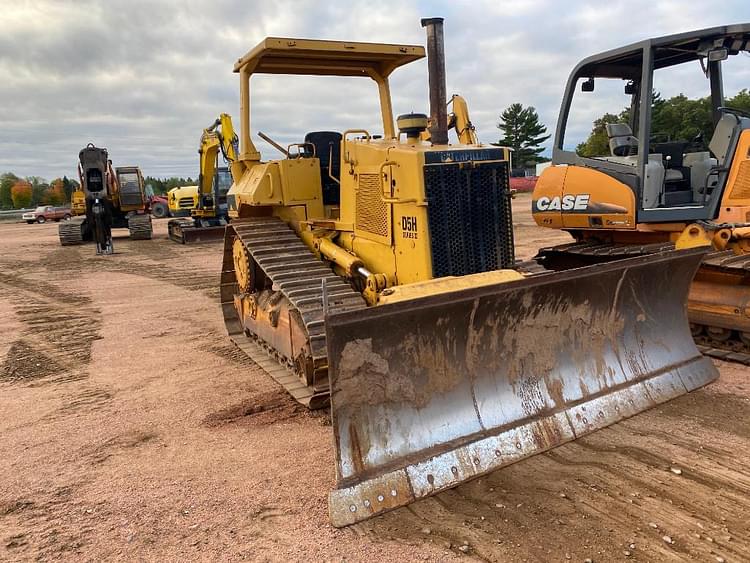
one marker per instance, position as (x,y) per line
(405,485)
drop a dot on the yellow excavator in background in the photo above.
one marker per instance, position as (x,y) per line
(209,216)
(376,273)
(459,121)
(648,193)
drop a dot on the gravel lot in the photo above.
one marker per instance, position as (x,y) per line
(131,428)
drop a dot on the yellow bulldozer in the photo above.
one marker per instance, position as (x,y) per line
(375,272)
(646,192)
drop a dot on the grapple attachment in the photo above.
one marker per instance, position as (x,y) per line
(431,392)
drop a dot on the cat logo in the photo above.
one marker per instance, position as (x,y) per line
(565,203)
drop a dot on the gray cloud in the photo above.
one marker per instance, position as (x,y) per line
(143,78)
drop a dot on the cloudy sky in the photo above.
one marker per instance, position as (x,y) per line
(143,78)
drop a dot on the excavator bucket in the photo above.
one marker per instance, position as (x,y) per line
(431,392)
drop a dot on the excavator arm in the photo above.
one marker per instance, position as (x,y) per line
(459,121)
(220,136)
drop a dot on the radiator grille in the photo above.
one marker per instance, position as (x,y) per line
(470,220)
(741,189)
(372,211)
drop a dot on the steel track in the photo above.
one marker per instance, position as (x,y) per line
(71,232)
(139,227)
(298,274)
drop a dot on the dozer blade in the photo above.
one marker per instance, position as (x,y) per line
(431,392)
(186,231)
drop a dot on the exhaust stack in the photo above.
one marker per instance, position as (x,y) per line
(436,72)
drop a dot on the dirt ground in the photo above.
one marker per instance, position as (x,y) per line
(131,428)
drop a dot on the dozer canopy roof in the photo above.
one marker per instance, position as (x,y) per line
(278,55)
(670,50)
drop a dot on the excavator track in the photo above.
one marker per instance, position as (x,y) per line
(71,232)
(716,342)
(301,278)
(140,227)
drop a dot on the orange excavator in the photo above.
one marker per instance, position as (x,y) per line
(648,193)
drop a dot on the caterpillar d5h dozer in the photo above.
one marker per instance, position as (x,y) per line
(209,215)
(108,198)
(647,192)
(378,272)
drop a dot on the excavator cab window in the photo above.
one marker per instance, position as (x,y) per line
(328,150)
(223,181)
(130,188)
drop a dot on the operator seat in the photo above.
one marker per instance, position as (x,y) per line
(704,170)
(328,151)
(721,140)
(621,139)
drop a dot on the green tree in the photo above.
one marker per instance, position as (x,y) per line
(68,187)
(6,183)
(523,132)
(677,118)
(740,101)
(598,142)
(39,188)
(163,185)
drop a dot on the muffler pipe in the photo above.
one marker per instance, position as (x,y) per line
(436,73)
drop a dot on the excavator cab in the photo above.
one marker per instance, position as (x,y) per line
(632,171)
(132,191)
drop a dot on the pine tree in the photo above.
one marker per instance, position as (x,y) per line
(523,132)
(69,186)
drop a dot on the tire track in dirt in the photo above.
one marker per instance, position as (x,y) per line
(623,489)
(32,526)
(174,264)
(60,328)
